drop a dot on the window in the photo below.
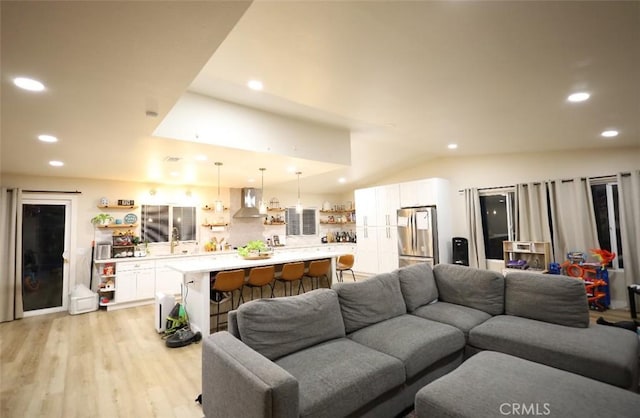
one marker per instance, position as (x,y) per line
(605,205)
(184,219)
(301,224)
(159,220)
(497,222)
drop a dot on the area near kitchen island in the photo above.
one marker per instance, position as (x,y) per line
(196,277)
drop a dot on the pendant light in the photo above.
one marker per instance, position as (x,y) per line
(299,205)
(262,208)
(218,207)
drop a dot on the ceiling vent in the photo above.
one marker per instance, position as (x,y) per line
(170,159)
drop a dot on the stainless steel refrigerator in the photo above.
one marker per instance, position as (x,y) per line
(417,236)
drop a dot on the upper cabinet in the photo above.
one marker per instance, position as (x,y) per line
(366,204)
(387,203)
(425,192)
(377,205)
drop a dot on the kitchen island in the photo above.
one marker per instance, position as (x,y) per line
(196,275)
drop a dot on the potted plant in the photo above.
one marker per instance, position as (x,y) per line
(102,219)
(255,249)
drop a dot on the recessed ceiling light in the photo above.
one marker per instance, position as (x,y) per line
(201,157)
(47,138)
(452,146)
(342,180)
(55,163)
(578,97)
(251,180)
(174,173)
(28,84)
(255,85)
(609,134)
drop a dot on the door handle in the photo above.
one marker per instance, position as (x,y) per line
(65,257)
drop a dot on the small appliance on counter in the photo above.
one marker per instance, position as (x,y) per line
(103,251)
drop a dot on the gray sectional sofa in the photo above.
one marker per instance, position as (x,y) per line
(367,348)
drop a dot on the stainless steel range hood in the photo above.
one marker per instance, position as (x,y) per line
(249,209)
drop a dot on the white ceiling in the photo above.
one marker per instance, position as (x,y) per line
(405,78)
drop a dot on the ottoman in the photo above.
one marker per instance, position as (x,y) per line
(492,384)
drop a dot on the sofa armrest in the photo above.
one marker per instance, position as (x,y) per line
(239,382)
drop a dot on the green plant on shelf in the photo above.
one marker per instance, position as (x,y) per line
(102,219)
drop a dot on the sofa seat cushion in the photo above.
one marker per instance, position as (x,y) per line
(586,351)
(338,377)
(472,287)
(280,326)
(417,342)
(370,301)
(461,317)
(492,384)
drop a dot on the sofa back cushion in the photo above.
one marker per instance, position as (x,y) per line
(280,326)
(370,301)
(546,297)
(418,285)
(472,287)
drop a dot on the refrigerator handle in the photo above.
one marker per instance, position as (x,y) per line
(413,234)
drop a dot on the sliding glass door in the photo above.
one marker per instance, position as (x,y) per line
(45,257)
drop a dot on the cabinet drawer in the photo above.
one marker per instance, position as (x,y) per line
(121,267)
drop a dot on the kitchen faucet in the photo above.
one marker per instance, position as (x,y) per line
(175,236)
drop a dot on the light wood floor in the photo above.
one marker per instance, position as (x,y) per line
(98,364)
(104,364)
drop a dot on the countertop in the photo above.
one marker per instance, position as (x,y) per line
(220,254)
(213,263)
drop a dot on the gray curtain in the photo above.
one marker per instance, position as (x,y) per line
(629,207)
(477,256)
(572,217)
(10,261)
(532,213)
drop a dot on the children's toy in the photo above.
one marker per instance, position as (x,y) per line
(596,285)
(554,268)
(517,264)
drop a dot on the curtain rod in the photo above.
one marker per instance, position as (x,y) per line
(563,180)
(52,191)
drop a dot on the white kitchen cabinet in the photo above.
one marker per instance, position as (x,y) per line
(365,207)
(136,281)
(145,283)
(427,192)
(387,242)
(387,203)
(126,290)
(366,256)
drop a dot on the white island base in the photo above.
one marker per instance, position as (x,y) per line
(197,285)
